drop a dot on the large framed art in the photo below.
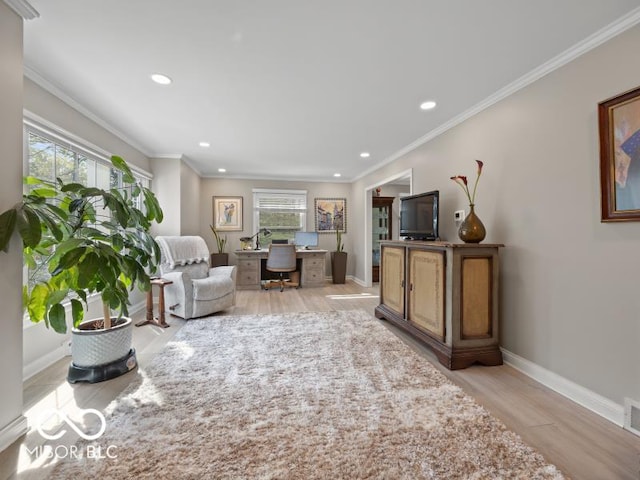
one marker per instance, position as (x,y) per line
(227,214)
(330,215)
(619,123)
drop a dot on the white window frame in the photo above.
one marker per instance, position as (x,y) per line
(301,195)
(37,125)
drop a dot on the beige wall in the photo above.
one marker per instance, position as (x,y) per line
(12,423)
(570,298)
(177,187)
(211,187)
(166,186)
(190,203)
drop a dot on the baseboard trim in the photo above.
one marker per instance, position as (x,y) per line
(590,400)
(141,305)
(329,279)
(13,432)
(43,362)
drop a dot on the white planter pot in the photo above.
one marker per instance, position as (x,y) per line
(91,348)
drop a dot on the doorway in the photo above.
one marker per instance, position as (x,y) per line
(395,186)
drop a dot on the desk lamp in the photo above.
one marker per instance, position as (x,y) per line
(265,231)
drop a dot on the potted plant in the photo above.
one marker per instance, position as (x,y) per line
(339,260)
(79,241)
(221,258)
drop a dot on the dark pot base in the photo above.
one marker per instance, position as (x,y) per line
(338,267)
(101,373)
(219,260)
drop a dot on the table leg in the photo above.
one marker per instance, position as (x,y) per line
(161,320)
(150,304)
(150,320)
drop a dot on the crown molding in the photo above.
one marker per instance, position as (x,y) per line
(229,176)
(167,156)
(54,90)
(192,166)
(23,8)
(177,156)
(271,178)
(596,39)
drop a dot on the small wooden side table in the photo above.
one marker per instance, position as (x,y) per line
(151,320)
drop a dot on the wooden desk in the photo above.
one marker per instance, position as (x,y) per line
(151,320)
(249,276)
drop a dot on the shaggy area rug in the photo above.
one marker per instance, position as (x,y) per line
(331,395)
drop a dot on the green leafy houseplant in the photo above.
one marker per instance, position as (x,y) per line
(90,241)
(339,244)
(221,242)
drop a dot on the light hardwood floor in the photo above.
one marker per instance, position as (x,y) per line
(579,442)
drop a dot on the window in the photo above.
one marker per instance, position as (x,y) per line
(284,212)
(49,155)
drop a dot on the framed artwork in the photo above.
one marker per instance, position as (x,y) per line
(619,122)
(330,215)
(227,214)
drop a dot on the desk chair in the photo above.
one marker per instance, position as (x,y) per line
(281,259)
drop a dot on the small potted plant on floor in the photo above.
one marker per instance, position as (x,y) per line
(221,258)
(79,241)
(339,260)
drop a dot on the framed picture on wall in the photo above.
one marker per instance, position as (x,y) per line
(619,122)
(227,214)
(330,215)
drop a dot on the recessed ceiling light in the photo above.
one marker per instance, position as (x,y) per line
(337,175)
(428,105)
(161,79)
(222,170)
(365,155)
(204,144)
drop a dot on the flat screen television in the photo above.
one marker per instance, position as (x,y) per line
(419,216)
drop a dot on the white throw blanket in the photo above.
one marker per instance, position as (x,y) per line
(183,250)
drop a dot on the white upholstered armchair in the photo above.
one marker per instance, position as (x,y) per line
(197,290)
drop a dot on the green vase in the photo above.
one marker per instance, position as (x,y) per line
(471,229)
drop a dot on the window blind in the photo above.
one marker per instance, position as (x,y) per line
(295,201)
(283,212)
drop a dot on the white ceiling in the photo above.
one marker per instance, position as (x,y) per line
(293,89)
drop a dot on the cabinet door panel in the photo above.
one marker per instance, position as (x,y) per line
(392,285)
(476,314)
(426,291)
